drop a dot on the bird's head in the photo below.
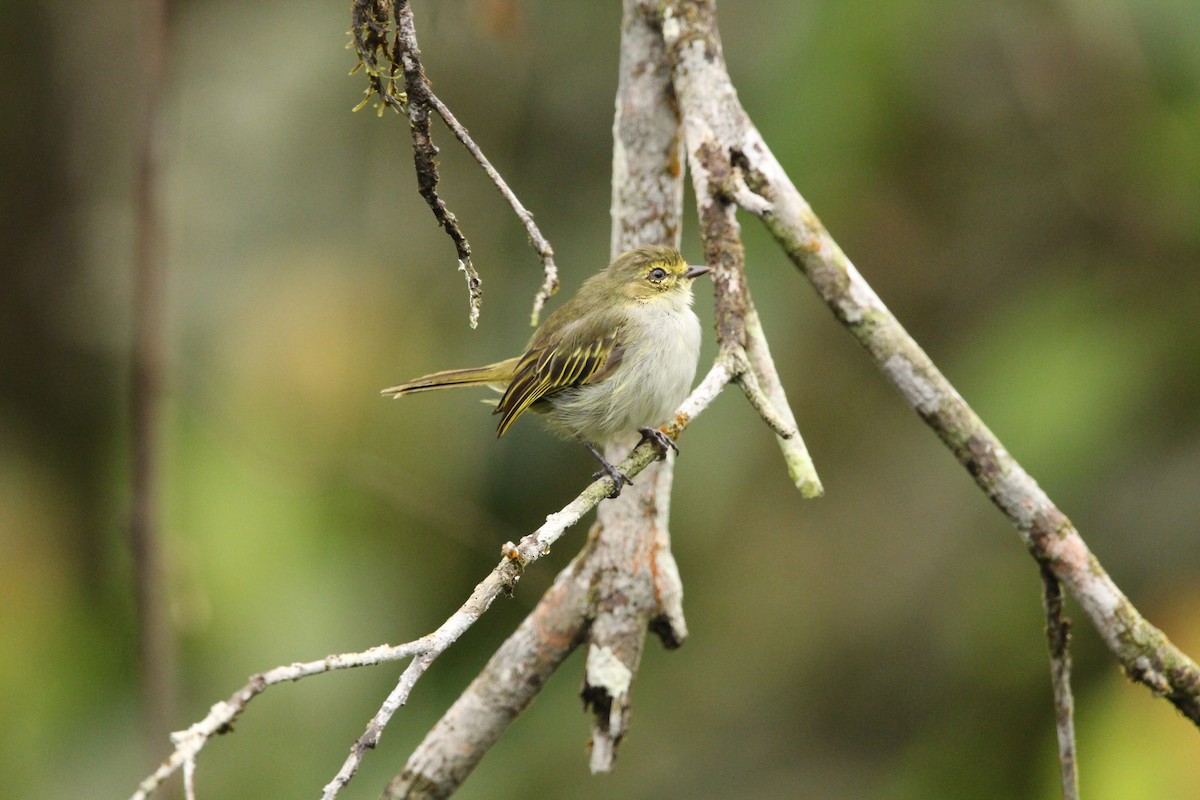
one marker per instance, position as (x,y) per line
(646,273)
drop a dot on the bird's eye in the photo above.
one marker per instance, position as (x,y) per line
(657,274)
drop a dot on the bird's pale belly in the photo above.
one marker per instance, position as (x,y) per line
(654,378)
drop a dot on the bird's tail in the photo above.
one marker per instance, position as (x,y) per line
(499,374)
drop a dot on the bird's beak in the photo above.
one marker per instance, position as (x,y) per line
(696,272)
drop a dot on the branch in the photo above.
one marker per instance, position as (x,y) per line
(1058,636)
(631,597)
(708,101)
(220,718)
(549,270)
(631,535)
(507,685)
(502,579)
(385,63)
(760,402)
(420,100)
(710,113)
(795,454)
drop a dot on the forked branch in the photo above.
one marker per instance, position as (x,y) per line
(727,142)
(384,62)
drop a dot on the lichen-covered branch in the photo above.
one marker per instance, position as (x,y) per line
(731,143)
(631,534)
(795,453)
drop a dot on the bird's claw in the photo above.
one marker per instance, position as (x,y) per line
(618,478)
(659,439)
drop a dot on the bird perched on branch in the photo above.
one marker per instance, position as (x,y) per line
(618,357)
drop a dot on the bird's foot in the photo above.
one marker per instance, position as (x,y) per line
(659,439)
(619,479)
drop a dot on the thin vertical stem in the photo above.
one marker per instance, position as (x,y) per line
(1058,638)
(156,654)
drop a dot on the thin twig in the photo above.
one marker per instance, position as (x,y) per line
(795,453)
(420,100)
(189,778)
(1058,638)
(370,28)
(759,400)
(220,718)
(155,640)
(539,242)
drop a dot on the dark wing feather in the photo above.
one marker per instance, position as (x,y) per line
(544,371)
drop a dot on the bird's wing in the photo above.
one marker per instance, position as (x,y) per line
(545,370)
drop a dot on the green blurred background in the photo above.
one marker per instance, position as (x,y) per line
(1019,181)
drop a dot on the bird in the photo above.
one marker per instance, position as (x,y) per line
(618,357)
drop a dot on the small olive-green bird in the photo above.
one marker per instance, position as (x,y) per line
(618,357)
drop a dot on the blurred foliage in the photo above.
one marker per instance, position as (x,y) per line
(1019,181)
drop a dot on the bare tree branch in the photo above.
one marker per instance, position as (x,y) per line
(1058,638)
(512,678)
(625,604)
(763,404)
(647,145)
(795,453)
(385,63)
(726,141)
(220,718)
(549,270)
(420,100)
